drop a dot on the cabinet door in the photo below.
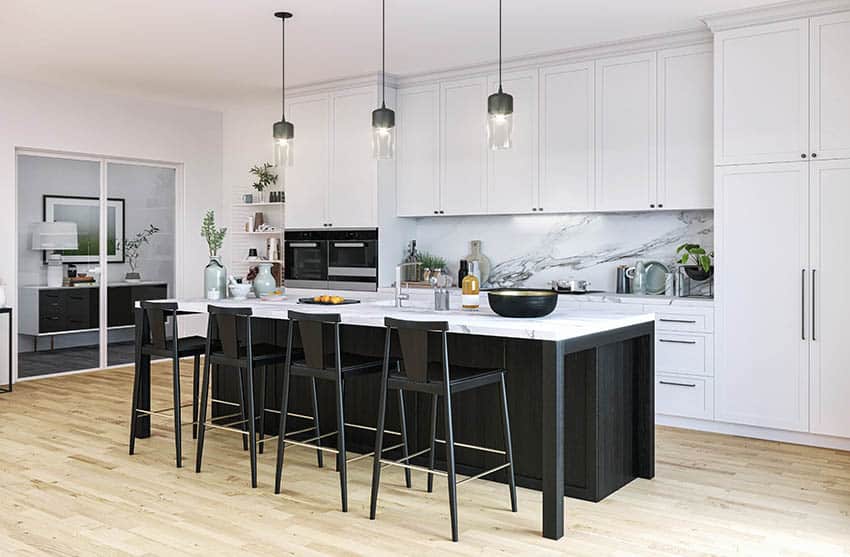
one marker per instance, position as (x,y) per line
(830,86)
(463,146)
(626,132)
(762,279)
(685,162)
(418,151)
(761,93)
(353,191)
(830,297)
(567,174)
(512,179)
(306,181)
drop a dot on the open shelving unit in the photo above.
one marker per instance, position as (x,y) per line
(242,239)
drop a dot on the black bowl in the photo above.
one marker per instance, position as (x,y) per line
(517,302)
(697,273)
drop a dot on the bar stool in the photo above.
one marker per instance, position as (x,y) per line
(328,365)
(439,380)
(230,343)
(155,343)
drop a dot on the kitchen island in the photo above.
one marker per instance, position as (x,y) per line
(579,385)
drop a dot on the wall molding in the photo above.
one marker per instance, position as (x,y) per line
(783,11)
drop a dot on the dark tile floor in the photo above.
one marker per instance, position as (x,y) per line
(47,362)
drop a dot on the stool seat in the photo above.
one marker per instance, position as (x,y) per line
(352,364)
(264,354)
(186,346)
(461,379)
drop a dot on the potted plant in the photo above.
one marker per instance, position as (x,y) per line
(133,250)
(264,178)
(215,275)
(701,268)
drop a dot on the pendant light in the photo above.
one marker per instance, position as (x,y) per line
(284,132)
(383,119)
(500,108)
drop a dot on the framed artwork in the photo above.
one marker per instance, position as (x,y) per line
(85,212)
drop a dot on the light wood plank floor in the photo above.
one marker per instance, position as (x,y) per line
(68,487)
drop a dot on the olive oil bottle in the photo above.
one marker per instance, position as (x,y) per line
(471,288)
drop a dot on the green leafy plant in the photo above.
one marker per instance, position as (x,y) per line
(133,248)
(213,235)
(431,261)
(695,253)
(265,177)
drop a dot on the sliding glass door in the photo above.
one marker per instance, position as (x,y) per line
(95,235)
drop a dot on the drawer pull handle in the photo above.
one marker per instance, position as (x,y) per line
(673,383)
(691,321)
(677,341)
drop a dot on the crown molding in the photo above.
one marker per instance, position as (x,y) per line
(367,80)
(772,13)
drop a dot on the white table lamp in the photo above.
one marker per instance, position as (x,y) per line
(52,237)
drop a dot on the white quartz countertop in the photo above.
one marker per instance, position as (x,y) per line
(94,285)
(566,322)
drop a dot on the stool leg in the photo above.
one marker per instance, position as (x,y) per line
(135,408)
(433,438)
(319,455)
(262,416)
(252,422)
(178,422)
(202,414)
(281,432)
(196,371)
(379,444)
(450,463)
(403,423)
(242,413)
(508,448)
(341,458)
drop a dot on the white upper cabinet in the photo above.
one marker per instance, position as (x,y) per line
(512,178)
(418,151)
(830,297)
(463,147)
(626,132)
(830,86)
(685,162)
(762,93)
(352,195)
(306,181)
(567,138)
(762,347)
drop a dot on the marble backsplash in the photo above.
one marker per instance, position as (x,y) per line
(533,250)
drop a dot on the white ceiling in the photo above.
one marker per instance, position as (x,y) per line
(217,52)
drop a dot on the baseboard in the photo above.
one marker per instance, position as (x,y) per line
(795,437)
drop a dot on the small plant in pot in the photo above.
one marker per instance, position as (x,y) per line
(265,178)
(701,268)
(133,250)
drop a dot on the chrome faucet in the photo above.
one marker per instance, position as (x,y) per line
(399,295)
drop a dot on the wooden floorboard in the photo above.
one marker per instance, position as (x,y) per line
(68,487)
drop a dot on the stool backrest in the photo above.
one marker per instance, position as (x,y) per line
(413,340)
(229,322)
(311,328)
(156,313)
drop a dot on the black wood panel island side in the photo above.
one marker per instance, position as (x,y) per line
(580,392)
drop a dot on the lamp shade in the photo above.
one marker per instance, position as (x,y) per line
(54,236)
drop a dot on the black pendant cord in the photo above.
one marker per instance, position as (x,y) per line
(500,46)
(384,53)
(283,70)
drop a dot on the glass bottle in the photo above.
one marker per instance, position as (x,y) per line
(215,279)
(462,272)
(471,288)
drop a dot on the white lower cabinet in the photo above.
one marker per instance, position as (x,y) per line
(684,353)
(684,395)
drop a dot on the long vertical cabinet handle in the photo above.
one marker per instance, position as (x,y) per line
(803,306)
(814,304)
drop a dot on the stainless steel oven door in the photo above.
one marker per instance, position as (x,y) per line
(306,259)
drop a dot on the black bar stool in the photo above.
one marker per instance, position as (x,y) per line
(328,365)
(230,344)
(418,374)
(155,343)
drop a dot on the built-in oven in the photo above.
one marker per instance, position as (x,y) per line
(353,259)
(306,257)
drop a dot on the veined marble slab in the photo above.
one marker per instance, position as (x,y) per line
(564,323)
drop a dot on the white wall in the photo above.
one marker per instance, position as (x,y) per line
(39,116)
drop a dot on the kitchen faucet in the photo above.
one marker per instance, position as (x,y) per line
(399,295)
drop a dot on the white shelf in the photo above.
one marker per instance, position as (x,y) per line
(246,262)
(274,233)
(267,204)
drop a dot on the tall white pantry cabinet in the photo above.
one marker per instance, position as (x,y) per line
(782,201)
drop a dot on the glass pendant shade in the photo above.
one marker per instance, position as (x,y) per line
(284,143)
(383,133)
(500,120)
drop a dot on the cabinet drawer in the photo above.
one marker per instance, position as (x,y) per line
(51,323)
(690,397)
(684,319)
(684,353)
